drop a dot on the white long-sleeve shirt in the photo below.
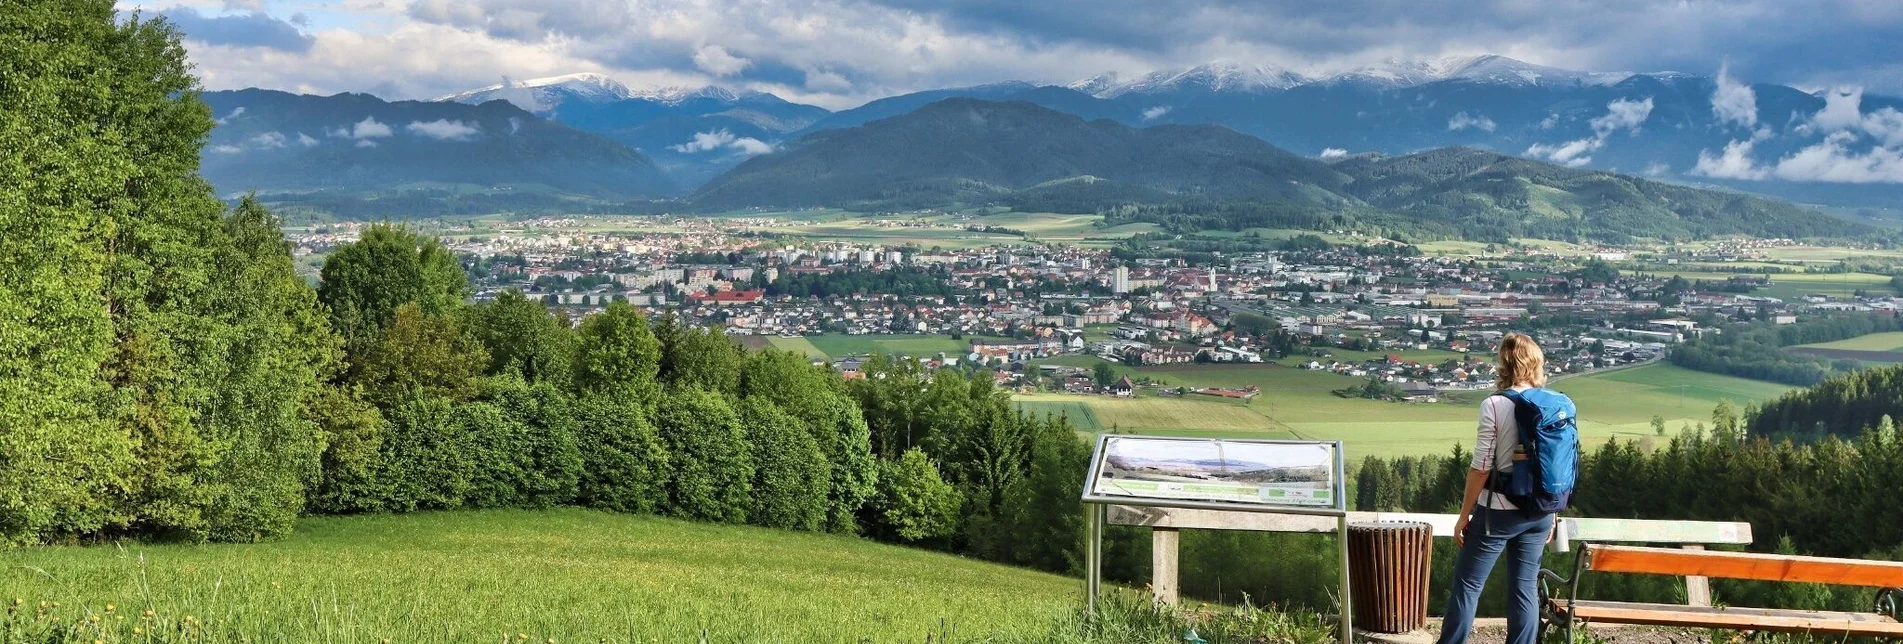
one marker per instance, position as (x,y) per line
(1499,433)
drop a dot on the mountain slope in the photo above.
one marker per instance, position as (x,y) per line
(1489,195)
(273,141)
(964,149)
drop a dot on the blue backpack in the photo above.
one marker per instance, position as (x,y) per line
(1549,437)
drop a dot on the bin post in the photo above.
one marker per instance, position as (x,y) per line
(1390,566)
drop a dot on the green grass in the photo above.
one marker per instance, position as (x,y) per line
(924,346)
(1790,286)
(1889,341)
(568,575)
(800,345)
(1299,404)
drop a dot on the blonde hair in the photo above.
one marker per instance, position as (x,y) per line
(1521,362)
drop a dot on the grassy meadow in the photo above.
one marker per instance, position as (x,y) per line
(563,575)
(1298,404)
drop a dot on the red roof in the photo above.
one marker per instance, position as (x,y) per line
(729,297)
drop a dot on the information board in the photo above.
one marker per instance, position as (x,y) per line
(1201,470)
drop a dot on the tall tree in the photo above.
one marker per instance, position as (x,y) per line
(365,282)
(617,353)
(523,336)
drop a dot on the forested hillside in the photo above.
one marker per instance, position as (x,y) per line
(357,143)
(1840,406)
(964,151)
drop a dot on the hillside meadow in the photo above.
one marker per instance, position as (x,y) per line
(565,575)
(1299,404)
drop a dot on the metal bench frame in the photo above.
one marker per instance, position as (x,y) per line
(1889,601)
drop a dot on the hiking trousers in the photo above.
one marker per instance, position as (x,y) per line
(1522,536)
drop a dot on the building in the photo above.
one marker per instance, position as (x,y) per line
(1120,280)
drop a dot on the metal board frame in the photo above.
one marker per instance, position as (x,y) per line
(1094,516)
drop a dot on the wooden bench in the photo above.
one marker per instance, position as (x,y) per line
(1881,622)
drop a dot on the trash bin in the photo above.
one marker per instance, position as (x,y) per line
(1388,566)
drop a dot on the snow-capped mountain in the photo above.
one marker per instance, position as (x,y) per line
(543,95)
(1222,76)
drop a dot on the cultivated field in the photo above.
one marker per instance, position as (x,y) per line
(923,346)
(1875,348)
(1298,404)
(560,575)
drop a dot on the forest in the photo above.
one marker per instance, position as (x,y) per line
(1755,349)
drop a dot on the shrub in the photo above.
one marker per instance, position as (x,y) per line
(791,480)
(551,462)
(422,465)
(624,464)
(712,468)
(914,502)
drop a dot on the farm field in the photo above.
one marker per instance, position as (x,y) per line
(799,345)
(1875,348)
(1790,286)
(565,575)
(839,345)
(1298,404)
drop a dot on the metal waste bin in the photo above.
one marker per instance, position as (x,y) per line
(1388,565)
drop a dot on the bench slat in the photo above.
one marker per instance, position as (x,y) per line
(1760,619)
(1745,565)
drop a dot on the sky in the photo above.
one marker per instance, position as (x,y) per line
(841,53)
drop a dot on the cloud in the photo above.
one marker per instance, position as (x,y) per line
(368,128)
(1842,109)
(1155,112)
(254,29)
(306,140)
(1734,102)
(1621,114)
(1834,161)
(718,139)
(716,60)
(1734,163)
(444,129)
(1462,121)
(235,113)
(1333,153)
(826,81)
(267,141)
(366,143)
(226,149)
(1550,121)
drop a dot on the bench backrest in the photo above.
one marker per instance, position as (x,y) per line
(1744,565)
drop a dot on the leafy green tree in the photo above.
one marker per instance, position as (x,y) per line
(542,448)
(792,477)
(914,502)
(618,353)
(423,463)
(365,282)
(842,434)
(522,336)
(712,466)
(418,353)
(1045,519)
(1104,374)
(703,358)
(353,434)
(624,465)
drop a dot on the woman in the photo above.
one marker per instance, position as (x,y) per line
(1496,525)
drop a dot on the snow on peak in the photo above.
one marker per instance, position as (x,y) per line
(544,95)
(1217,76)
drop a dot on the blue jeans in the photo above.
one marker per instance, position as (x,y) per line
(1522,536)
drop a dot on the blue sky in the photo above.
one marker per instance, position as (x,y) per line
(838,53)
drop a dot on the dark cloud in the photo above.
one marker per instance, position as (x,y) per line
(254,29)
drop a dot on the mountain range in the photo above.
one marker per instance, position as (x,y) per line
(963,151)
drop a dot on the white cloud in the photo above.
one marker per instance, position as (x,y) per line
(1657,169)
(1477,121)
(1550,121)
(226,149)
(267,141)
(1842,109)
(1734,102)
(1834,161)
(1155,112)
(717,139)
(306,140)
(751,146)
(368,128)
(1621,114)
(716,60)
(1333,153)
(235,113)
(366,143)
(444,129)
(1734,163)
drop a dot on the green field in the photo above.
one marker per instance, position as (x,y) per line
(563,575)
(923,346)
(1298,404)
(798,345)
(1789,286)
(1889,341)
